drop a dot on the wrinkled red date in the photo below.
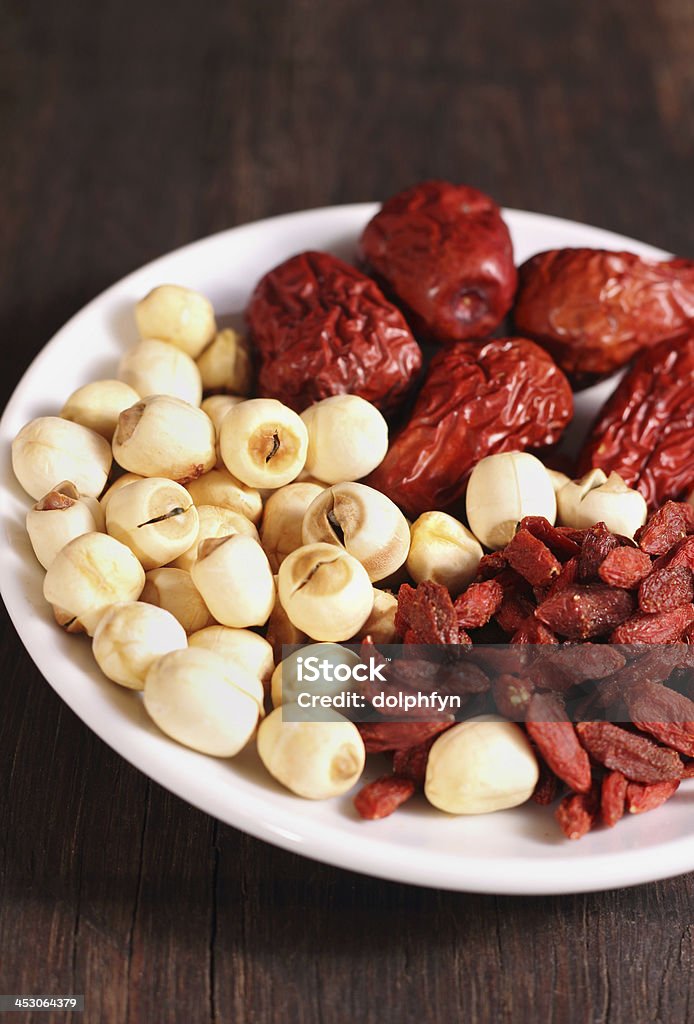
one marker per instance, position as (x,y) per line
(476,400)
(445,253)
(645,431)
(322,328)
(594,310)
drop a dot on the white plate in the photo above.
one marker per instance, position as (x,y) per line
(518,851)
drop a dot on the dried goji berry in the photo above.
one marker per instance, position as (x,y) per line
(512,695)
(534,632)
(666,589)
(491,565)
(558,542)
(548,785)
(597,544)
(581,612)
(634,756)
(577,813)
(516,609)
(642,798)
(666,527)
(625,567)
(476,605)
(567,576)
(532,559)
(612,797)
(664,713)
(654,629)
(411,763)
(681,554)
(427,610)
(381,797)
(555,737)
(381,736)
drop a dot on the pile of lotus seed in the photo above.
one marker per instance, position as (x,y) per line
(191,539)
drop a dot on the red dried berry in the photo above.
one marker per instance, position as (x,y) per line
(381,797)
(582,612)
(681,554)
(612,797)
(558,542)
(555,737)
(381,736)
(548,785)
(636,757)
(567,576)
(597,544)
(411,763)
(445,252)
(577,813)
(662,628)
(534,632)
(625,567)
(428,611)
(666,527)
(666,589)
(532,559)
(321,327)
(512,695)
(491,565)
(664,713)
(476,605)
(640,799)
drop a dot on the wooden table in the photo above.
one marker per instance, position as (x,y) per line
(130,128)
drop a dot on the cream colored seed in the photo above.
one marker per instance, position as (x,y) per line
(99,404)
(597,498)
(443,550)
(89,574)
(234,577)
(50,449)
(251,651)
(219,487)
(154,367)
(130,636)
(214,522)
(347,438)
(283,518)
(314,759)
(155,518)
(502,490)
(363,522)
(482,765)
(202,702)
(325,592)
(183,317)
(165,436)
(174,590)
(286,687)
(263,443)
(225,365)
(58,518)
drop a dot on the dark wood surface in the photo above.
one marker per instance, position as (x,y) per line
(129,128)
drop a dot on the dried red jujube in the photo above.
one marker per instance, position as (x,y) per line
(323,328)
(594,310)
(445,254)
(645,431)
(504,395)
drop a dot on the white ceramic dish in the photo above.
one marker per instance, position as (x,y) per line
(518,851)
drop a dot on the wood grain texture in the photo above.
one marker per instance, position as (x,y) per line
(131,128)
